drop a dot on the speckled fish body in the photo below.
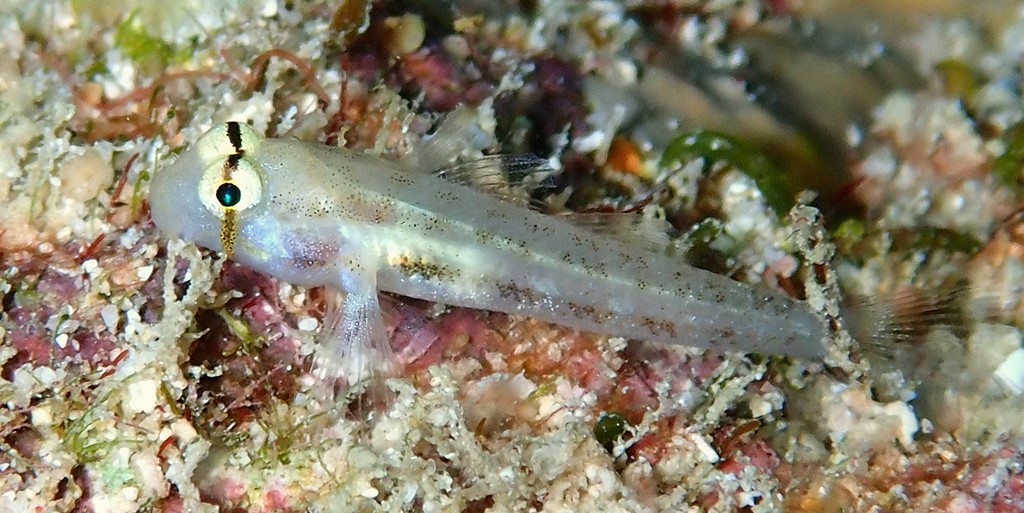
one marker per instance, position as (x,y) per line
(329,216)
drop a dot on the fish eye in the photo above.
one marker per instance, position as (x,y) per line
(231,184)
(228,194)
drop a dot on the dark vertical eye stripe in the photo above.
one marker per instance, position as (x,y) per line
(228,194)
(235,135)
(231,164)
(235,138)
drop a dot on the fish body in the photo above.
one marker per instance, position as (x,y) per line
(317,215)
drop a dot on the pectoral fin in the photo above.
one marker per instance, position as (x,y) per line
(353,346)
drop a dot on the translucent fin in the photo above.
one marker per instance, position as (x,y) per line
(461,131)
(511,178)
(997,295)
(354,349)
(885,324)
(630,228)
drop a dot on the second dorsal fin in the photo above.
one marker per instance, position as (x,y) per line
(630,228)
(514,179)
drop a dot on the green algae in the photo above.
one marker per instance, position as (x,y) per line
(609,428)
(146,50)
(717,147)
(1008,166)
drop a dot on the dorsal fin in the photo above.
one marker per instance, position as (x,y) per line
(510,178)
(459,132)
(514,178)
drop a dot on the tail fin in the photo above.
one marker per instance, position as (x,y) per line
(885,324)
